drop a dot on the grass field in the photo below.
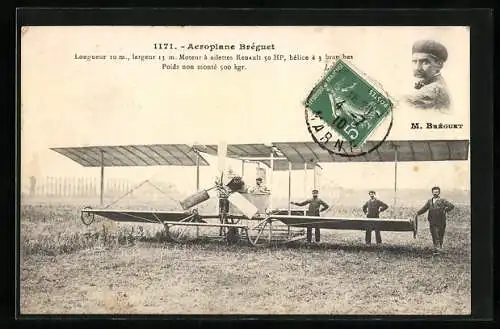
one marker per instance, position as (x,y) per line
(69,268)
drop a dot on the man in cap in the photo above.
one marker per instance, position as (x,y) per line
(315,209)
(259,188)
(372,209)
(437,207)
(430,90)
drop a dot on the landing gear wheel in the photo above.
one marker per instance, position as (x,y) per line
(86,217)
(255,235)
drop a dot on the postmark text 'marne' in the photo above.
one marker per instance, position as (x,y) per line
(350,105)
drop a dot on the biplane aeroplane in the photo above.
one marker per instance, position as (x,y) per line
(247,216)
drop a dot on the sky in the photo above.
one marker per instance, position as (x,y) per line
(73,102)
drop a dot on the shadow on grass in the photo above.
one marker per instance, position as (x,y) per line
(207,244)
(396,249)
(72,242)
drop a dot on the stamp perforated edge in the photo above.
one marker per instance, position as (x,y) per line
(372,82)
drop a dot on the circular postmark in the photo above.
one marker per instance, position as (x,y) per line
(344,109)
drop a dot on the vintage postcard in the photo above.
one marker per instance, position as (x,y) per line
(245,170)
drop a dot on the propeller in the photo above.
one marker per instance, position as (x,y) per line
(224,190)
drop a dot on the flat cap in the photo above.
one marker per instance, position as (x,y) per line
(431,47)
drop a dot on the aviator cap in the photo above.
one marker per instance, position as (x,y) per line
(431,47)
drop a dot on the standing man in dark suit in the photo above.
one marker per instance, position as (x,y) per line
(315,209)
(437,207)
(372,209)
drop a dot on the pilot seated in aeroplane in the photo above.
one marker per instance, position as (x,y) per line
(259,188)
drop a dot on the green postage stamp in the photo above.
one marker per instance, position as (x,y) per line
(349,104)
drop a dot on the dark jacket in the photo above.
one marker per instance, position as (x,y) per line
(314,206)
(373,208)
(437,210)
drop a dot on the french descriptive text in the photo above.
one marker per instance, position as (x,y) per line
(208,57)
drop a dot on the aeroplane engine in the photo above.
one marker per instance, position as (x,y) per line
(236,184)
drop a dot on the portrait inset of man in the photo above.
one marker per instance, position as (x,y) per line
(430,90)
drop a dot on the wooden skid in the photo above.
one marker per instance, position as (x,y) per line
(203,224)
(138,216)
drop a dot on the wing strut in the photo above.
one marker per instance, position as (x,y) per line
(271,172)
(305,180)
(315,178)
(395,179)
(101,194)
(289,188)
(197,183)
(197,171)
